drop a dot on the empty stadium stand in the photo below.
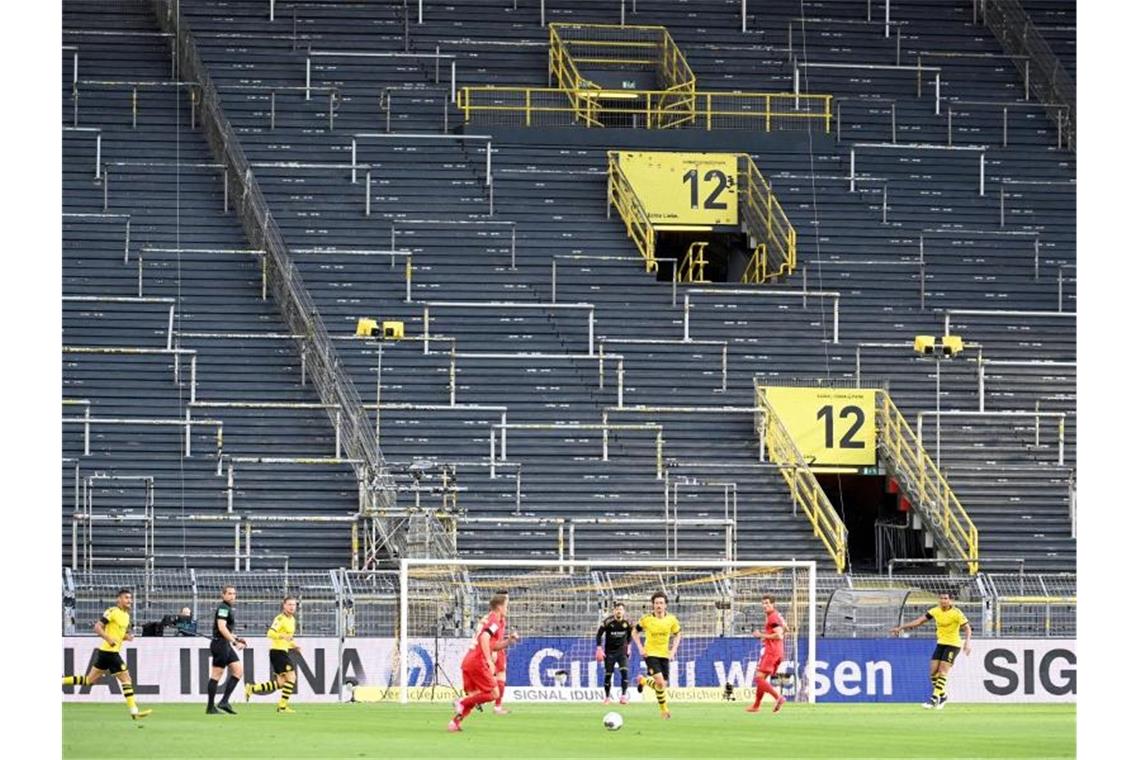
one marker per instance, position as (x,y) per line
(542,363)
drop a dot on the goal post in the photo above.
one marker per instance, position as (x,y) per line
(556,607)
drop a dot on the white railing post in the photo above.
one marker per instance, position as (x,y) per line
(453,81)
(487,179)
(404,630)
(852,177)
(308,75)
(272,3)
(354,160)
(87,431)
(685,337)
(337,426)
(621,383)
(553,280)
(835,320)
(590,335)
(937,93)
(887,20)
(982,174)
(368,193)
(98,153)
(744,15)
(420,12)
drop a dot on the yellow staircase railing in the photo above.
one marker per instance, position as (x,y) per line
(621,194)
(770,233)
(692,267)
(807,494)
(941,512)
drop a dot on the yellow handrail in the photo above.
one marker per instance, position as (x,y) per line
(766,224)
(805,490)
(692,267)
(757,269)
(931,493)
(661,109)
(637,224)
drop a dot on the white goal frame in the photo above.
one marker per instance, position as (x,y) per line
(561,565)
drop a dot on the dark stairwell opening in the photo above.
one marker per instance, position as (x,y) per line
(877,516)
(726,255)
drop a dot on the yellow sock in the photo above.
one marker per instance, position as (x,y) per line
(662,701)
(286,692)
(75,681)
(129,693)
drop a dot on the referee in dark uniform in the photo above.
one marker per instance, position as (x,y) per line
(222,651)
(613,641)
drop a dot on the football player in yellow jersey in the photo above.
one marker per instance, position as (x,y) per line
(281,650)
(949,621)
(114,627)
(657,650)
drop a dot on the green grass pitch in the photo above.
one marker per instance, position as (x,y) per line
(712,730)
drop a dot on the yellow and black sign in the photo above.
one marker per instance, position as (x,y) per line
(830,426)
(684,188)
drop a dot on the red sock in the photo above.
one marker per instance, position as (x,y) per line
(469,702)
(502,690)
(762,688)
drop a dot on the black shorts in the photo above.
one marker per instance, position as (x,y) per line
(280,662)
(657,665)
(621,659)
(945,653)
(222,652)
(109,661)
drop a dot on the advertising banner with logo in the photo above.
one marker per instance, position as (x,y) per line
(563,669)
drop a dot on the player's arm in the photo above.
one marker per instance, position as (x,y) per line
(777,634)
(636,636)
(912,624)
(674,646)
(969,635)
(101,631)
(485,648)
(599,653)
(224,627)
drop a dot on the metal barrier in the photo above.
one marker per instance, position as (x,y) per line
(1032,55)
(621,49)
(547,107)
(939,508)
(771,234)
(349,603)
(300,313)
(806,492)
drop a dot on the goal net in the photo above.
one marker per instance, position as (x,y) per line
(556,608)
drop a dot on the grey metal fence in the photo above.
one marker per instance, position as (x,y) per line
(366,603)
(1040,67)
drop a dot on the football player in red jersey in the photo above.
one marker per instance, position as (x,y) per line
(773,638)
(479,663)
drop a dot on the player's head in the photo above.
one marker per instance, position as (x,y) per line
(125,598)
(498,604)
(289,605)
(659,600)
(619,610)
(769,603)
(945,601)
(229,593)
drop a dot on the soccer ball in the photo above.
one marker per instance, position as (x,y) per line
(612,721)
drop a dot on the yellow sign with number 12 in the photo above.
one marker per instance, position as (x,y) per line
(830,426)
(684,188)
